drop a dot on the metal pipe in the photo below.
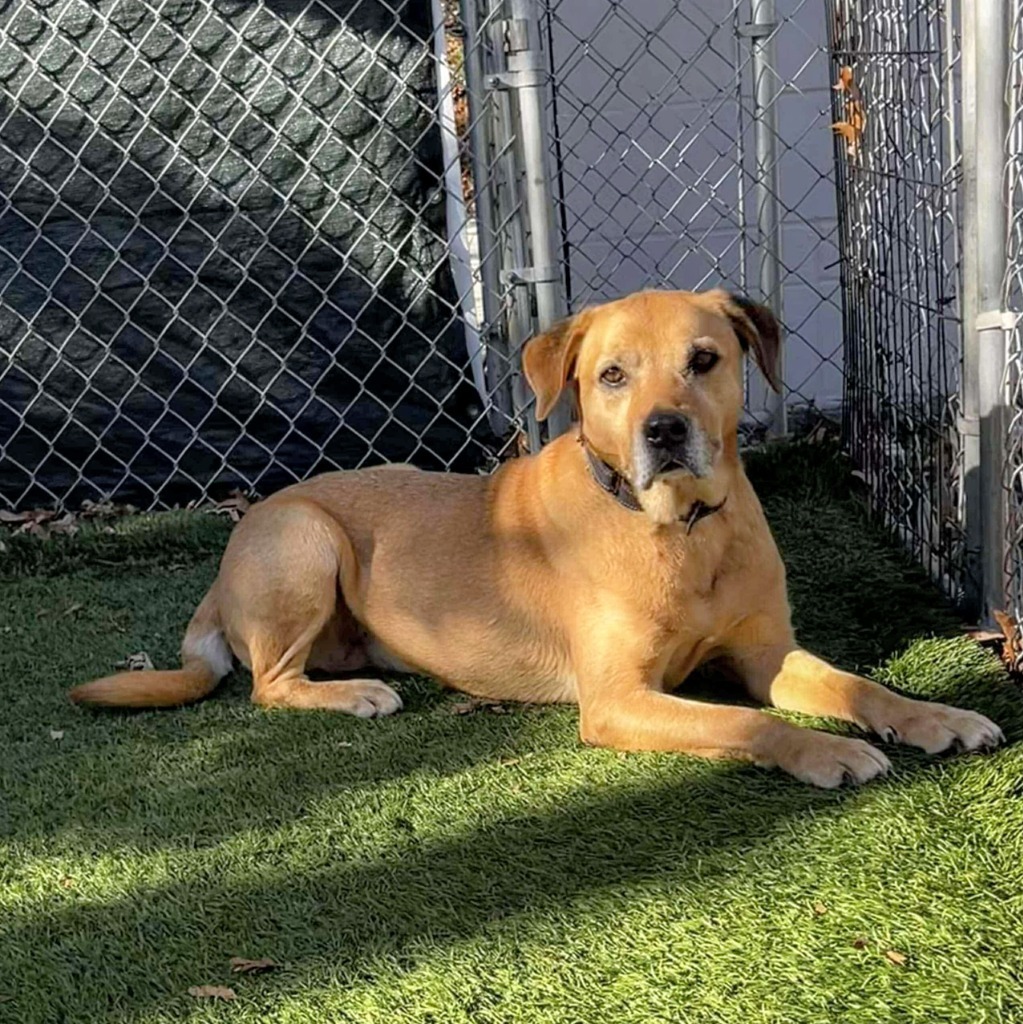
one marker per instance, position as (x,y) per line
(496,357)
(525,63)
(969,387)
(761,30)
(988,231)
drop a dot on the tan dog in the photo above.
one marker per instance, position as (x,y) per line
(602,570)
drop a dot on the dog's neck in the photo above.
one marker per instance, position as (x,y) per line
(611,481)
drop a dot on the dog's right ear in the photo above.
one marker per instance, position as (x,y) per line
(549,360)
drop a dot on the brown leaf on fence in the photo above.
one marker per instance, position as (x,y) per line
(239,965)
(851,126)
(845,79)
(213,992)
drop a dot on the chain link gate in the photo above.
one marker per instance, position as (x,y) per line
(898,167)
(693,149)
(236,249)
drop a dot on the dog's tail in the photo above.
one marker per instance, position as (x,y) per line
(205,660)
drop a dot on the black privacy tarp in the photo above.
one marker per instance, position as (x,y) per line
(222,257)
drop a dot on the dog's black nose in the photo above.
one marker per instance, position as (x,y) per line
(666,430)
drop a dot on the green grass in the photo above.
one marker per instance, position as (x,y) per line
(486,868)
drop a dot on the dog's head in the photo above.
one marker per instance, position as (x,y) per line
(658,380)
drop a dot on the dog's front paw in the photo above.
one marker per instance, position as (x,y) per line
(938,727)
(829,761)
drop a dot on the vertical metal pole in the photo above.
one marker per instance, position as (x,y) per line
(518,319)
(969,424)
(525,63)
(497,361)
(991,28)
(765,127)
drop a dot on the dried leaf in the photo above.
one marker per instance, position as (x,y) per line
(1013,642)
(239,965)
(855,114)
(213,992)
(895,957)
(986,637)
(139,662)
(105,510)
(859,942)
(67,882)
(819,909)
(12,517)
(235,506)
(845,79)
(474,704)
(56,734)
(65,524)
(70,610)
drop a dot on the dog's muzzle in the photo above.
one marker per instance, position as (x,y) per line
(668,442)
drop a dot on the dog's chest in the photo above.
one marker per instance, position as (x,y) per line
(699,588)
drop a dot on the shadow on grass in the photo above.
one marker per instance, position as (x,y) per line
(308,899)
(120,958)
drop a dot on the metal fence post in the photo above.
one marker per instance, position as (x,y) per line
(985,31)
(528,77)
(761,30)
(969,419)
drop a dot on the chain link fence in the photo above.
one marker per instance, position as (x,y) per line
(692,149)
(241,243)
(228,248)
(894,66)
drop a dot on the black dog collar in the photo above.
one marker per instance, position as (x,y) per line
(620,489)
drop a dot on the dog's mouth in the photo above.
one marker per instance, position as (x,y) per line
(650,464)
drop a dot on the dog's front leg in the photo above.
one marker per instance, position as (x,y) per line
(621,707)
(787,677)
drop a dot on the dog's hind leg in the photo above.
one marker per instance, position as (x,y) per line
(280,588)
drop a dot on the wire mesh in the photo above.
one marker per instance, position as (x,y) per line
(226,242)
(659,147)
(895,64)
(1013,478)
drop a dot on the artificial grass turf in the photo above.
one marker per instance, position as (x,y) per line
(487,868)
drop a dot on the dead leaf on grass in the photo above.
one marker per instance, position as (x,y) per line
(819,909)
(895,957)
(105,510)
(138,662)
(213,992)
(859,942)
(474,704)
(239,965)
(71,609)
(56,734)
(234,506)
(1013,642)
(986,637)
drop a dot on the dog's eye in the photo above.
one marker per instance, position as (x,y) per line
(703,361)
(613,376)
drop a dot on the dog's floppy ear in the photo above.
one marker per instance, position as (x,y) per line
(549,360)
(758,331)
